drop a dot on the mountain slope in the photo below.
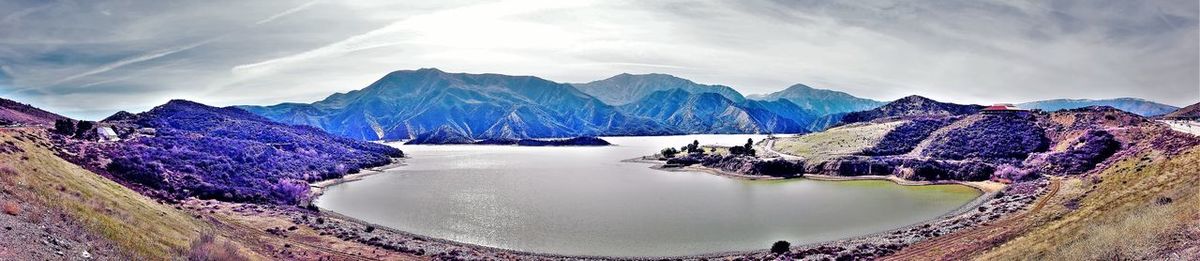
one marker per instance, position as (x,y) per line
(16,112)
(229,154)
(406,104)
(1191,111)
(627,88)
(80,211)
(911,106)
(711,113)
(1134,105)
(820,102)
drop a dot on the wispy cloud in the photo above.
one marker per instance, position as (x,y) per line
(137,59)
(287,12)
(246,52)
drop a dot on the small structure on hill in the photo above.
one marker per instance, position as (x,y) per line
(1002,108)
(106,133)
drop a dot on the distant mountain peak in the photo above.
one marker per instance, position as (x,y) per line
(821,102)
(627,88)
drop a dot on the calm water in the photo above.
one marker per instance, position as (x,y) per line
(584,201)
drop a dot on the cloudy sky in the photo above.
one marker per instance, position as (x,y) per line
(91,58)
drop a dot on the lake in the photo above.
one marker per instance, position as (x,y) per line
(585,201)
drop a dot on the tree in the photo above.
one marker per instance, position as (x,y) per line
(669,152)
(64,127)
(780,247)
(694,147)
(749,147)
(83,128)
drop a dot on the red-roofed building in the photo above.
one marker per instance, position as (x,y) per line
(1002,108)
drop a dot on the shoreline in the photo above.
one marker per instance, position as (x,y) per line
(316,189)
(987,189)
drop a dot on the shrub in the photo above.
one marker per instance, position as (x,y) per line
(6,170)
(207,248)
(780,247)
(64,127)
(669,152)
(11,208)
(82,129)
(1014,173)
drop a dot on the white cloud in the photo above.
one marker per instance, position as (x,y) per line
(963,51)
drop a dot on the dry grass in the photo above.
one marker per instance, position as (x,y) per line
(1139,208)
(208,247)
(138,225)
(844,140)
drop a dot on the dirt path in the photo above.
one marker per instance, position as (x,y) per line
(962,244)
(770,147)
(1183,126)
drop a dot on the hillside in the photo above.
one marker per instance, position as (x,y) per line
(406,104)
(689,112)
(1189,112)
(820,102)
(224,153)
(1134,105)
(911,106)
(16,112)
(628,88)
(57,210)
(971,147)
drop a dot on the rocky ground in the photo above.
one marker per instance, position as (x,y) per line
(28,232)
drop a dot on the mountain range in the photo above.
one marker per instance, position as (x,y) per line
(432,106)
(628,88)
(404,104)
(1134,105)
(708,112)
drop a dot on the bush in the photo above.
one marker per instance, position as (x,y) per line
(669,152)
(11,208)
(1014,173)
(64,127)
(207,248)
(82,129)
(780,247)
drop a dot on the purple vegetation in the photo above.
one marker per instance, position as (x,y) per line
(1014,173)
(231,155)
(906,136)
(929,169)
(993,137)
(1088,150)
(742,164)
